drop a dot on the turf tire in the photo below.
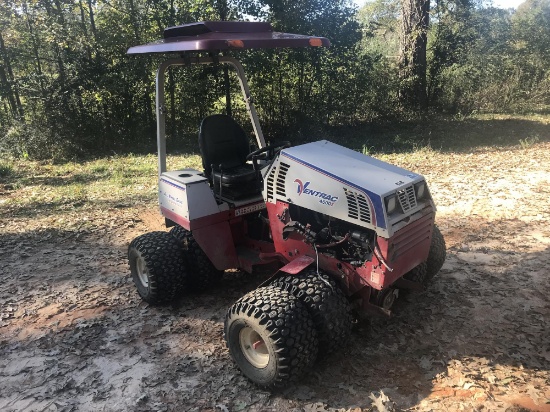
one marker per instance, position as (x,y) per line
(327,305)
(437,254)
(418,274)
(157,267)
(286,329)
(202,273)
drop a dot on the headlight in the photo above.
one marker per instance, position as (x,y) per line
(420,189)
(391,204)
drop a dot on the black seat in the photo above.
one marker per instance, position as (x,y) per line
(224,147)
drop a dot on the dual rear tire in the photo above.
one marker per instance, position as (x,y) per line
(326,303)
(202,273)
(271,336)
(274,333)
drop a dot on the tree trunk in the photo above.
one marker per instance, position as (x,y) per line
(412,62)
(5,90)
(57,13)
(35,42)
(147,101)
(222,8)
(172,94)
(8,80)
(92,19)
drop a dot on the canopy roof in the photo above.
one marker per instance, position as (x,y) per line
(223,35)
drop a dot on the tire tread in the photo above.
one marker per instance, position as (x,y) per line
(327,305)
(203,274)
(289,326)
(167,275)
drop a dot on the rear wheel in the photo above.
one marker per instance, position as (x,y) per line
(271,336)
(157,267)
(437,255)
(325,302)
(202,273)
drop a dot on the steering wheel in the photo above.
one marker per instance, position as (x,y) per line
(272,147)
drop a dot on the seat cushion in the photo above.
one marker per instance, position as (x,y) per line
(235,176)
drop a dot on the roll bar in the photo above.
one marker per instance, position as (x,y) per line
(161,108)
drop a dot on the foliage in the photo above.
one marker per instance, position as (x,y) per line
(529,141)
(495,60)
(6,169)
(67,88)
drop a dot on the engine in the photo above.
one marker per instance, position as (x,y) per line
(331,236)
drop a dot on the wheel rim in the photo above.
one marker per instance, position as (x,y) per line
(253,347)
(142,272)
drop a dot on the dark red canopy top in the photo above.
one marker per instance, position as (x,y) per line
(223,35)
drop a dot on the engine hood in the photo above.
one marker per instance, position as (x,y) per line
(339,182)
(364,172)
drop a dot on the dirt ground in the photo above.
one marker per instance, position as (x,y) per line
(74,334)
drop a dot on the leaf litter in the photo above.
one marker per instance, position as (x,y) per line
(75,336)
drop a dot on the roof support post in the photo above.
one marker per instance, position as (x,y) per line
(161,112)
(249,101)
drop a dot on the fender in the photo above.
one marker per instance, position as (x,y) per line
(297,265)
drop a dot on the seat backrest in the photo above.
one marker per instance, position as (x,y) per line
(222,141)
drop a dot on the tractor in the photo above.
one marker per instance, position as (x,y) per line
(340,231)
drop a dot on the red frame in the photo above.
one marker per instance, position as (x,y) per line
(224,238)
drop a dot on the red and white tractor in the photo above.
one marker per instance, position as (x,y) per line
(346,231)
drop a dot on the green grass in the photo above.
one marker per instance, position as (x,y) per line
(477,132)
(39,187)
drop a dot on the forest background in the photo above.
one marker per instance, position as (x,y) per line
(68,89)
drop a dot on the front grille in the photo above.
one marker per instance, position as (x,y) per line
(409,237)
(281,177)
(407,198)
(358,206)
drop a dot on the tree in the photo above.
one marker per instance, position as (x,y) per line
(531,37)
(413,64)
(455,31)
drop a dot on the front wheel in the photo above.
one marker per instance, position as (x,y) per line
(326,304)
(418,274)
(271,336)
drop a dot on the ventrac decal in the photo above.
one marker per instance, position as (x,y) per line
(324,198)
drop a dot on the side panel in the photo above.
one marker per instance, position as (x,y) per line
(307,186)
(217,242)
